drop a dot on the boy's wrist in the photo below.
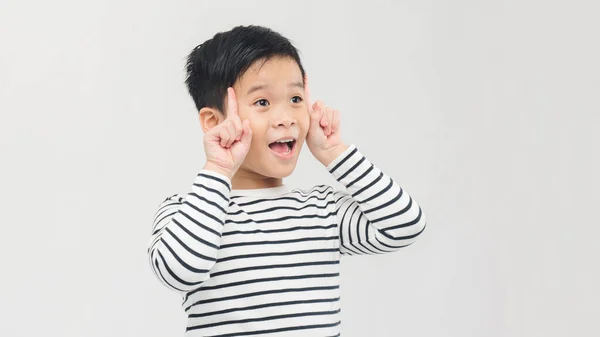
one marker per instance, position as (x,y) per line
(328,157)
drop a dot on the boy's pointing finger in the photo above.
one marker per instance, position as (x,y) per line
(232,108)
(232,113)
(307,97)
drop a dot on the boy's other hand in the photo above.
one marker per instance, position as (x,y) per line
(323,138)
(227,144)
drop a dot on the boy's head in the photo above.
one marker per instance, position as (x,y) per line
(265,70)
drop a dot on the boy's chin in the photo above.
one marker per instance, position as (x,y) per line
(276,170)
(282,172)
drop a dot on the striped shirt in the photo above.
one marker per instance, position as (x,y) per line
(267,261)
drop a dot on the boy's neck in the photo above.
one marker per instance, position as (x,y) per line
(245,180)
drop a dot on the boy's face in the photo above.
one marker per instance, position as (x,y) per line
(271,95)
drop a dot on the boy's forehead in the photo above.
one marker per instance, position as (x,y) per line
(274,71)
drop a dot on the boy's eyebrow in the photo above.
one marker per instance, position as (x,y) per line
(296,84)
(252,89)
(256,88)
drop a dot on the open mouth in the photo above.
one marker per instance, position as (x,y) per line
(283,148)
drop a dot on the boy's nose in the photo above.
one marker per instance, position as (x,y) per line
(285,118)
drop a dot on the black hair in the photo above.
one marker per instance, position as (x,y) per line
(219,62)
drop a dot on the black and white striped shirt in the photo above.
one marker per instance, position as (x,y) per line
(266,261)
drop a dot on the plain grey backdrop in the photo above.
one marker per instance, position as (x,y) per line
(485,111)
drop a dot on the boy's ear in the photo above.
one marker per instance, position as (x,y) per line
(209,118)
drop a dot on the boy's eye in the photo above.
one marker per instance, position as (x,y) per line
(262,102)
(296,99)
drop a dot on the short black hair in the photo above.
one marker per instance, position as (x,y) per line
(219,62)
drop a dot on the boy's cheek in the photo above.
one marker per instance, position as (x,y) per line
(244,113)
(305,125)
(304,131)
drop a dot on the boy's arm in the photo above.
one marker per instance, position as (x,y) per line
(374,214)
(187,231)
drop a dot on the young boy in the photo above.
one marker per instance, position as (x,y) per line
(249,255)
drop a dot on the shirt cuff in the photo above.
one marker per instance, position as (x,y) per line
(342,157)
(219,179)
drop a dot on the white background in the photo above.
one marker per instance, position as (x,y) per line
(485,111)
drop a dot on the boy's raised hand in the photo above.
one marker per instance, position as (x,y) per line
(323,139)
(227,144)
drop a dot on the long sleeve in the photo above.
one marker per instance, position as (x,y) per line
(187,230)
(374,214)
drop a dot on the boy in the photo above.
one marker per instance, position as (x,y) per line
(249,255)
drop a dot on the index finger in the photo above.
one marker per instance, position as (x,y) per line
(232,107)
(307,97)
